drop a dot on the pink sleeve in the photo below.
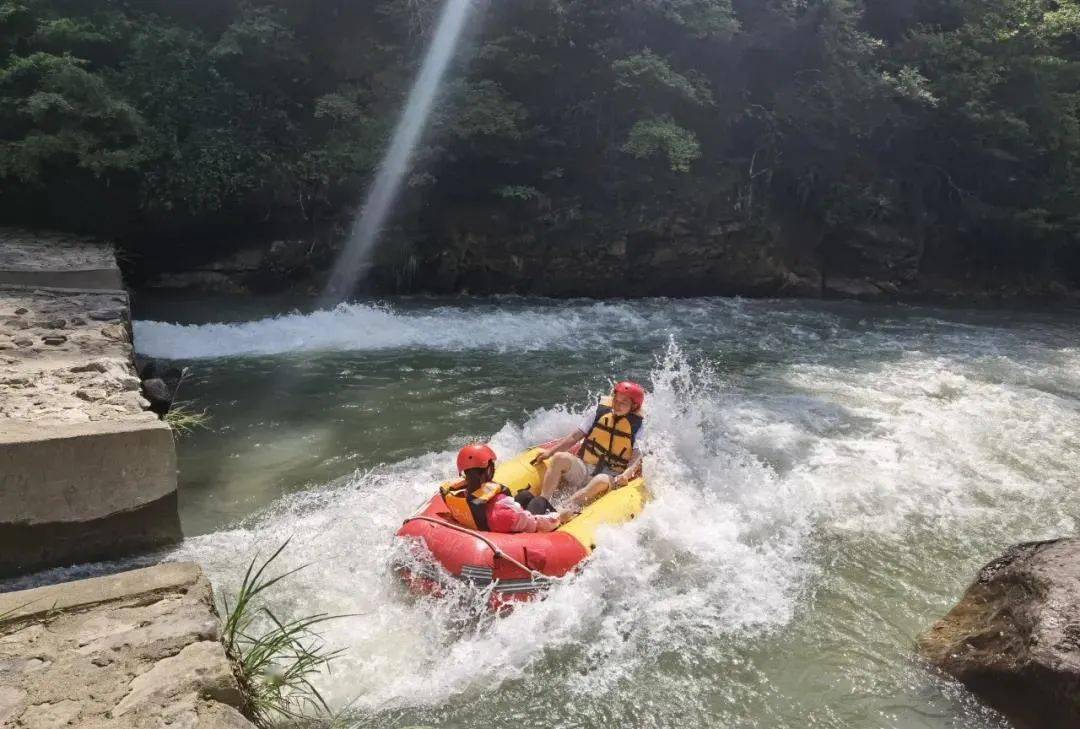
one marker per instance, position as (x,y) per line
(506,515)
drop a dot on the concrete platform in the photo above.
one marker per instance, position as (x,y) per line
(137,649)
(86,471)
(47,259)
(84,492)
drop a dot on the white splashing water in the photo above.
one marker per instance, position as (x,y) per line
(359,327)
(355,259)
(937,442)
(712,507)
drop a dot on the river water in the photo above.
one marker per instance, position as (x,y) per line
(828,478)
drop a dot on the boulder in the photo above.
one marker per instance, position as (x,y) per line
(1014,637)
(159,394)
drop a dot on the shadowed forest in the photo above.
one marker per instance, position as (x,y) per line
(774,145)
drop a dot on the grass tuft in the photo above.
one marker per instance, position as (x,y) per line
(276,659)
(185,421)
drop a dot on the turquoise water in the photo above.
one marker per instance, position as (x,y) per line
(828,479)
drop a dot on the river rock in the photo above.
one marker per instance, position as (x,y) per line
(23,341)
(159,395)
(54,340)
(1014,637)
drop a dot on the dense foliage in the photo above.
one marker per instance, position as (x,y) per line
(953,123)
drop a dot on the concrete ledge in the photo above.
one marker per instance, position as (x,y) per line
(146,582)
(27,548)
(105,279)
(137,649)
(87,472)
(79,472)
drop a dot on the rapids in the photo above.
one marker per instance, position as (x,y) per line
(828,478)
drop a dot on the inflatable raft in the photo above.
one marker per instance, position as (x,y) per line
(516,567)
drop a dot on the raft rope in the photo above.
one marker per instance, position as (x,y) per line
(533,574)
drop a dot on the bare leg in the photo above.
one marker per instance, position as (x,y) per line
(592,490)
(557,466)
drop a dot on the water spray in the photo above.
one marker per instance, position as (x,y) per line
(355,259)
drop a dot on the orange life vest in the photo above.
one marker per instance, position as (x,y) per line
(470,510)
(610,441)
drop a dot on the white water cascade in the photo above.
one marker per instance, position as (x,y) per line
(355,258)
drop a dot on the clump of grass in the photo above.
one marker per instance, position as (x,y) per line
(184,420)
(8,613)
(276,660)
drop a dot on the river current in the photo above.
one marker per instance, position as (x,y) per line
(828,478)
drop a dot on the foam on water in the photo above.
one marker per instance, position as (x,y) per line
(937,442)
(719,550)
(360,327)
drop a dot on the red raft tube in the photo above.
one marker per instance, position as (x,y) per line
(516,567)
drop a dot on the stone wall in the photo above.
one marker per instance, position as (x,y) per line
(137,649)
(86,471)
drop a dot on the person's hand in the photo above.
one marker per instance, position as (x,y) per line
(543,455)
(619,481)
(565,516)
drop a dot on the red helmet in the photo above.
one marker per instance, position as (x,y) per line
(475,455)
(632,390)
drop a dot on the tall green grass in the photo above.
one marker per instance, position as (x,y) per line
(276,660)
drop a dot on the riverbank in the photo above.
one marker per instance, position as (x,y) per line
(677,268)
(136,649)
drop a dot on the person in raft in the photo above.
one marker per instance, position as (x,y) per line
(609,454)
(480,503)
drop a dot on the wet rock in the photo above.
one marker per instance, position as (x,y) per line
(54,340)
(159,394)
(21,310)
(51,324)
(23,341)
(1014,637)
(145,366)
(78,321)
(17,324)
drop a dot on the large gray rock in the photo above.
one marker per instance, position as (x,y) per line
(1014,637)
(137,649)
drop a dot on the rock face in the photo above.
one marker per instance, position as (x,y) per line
(138,649)
(1014,637)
